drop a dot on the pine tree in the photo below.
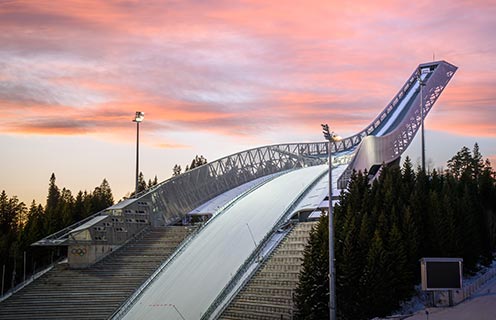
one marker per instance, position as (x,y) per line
(80,210)
(377,292)
(196,162)
(65,208)
(102,197)
(477,162)
(349,267)
(177,170)
(52,220)
(401,276)
(461,163)
(312,292)
(33,229)
(411,242)
(141,182)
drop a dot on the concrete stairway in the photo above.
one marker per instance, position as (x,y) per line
(95,292)
(269,294)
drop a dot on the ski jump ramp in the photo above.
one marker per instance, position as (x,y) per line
(250,196)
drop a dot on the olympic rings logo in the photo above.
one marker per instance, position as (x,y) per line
(79,251)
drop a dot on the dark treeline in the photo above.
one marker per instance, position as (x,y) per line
(383,228)
(143,185)
(20,226)
(196,162)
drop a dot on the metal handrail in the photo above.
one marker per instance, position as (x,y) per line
(256,253)
(124,308)
(65,231)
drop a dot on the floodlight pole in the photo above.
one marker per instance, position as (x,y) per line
(330,136)
(138,118)
(421,84)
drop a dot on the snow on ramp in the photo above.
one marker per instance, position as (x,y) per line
(190,283)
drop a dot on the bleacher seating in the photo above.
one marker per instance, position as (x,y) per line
(95,292)
(269,294)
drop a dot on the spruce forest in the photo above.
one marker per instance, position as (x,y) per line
(383,228)
(21,226)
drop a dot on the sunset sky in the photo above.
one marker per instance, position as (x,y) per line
(218,77)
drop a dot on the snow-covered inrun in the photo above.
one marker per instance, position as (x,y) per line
(191,282)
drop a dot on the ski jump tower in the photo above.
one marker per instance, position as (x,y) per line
(220,188)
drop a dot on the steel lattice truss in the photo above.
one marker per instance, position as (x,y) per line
(173,198)
(179,195)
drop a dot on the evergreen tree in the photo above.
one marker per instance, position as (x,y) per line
(196,162)
(312,292)
(152,183)
(383,229)
(80,210)
(461,164)
(33,229)
(102,197)
(377,291)
(349,268)
(401,276)
(52,220)
(177,170)
(411,242)
(141,182)
(65,208)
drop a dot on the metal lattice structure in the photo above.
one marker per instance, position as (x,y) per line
(172,199)
(387,148)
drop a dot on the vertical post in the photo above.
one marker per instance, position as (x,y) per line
(14,273)
(331,137)
(421,84)
(138,118)
(332,271)
(3,278)
(24,276)
(137,158)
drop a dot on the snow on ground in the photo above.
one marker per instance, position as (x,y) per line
(481,305)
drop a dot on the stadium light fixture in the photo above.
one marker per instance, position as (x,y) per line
(421,105)
(331,137)
(139,117)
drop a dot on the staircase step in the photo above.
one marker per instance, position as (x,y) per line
(269,293)
(95,292)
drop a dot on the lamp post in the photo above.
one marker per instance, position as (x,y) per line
(331,137)
(421,84)
(138,118)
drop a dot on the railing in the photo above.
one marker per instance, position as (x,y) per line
(226,293)
(59,237)
(472,288)
(124,308)
(176,196)
(30,279)
(386,149)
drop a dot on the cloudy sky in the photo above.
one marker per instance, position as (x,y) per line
(217,77)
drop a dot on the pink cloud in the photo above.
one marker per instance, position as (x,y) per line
(233,69)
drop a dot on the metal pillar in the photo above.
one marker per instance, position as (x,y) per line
(3,278)
(421,84)
(138,118)
(137,159)
(331,137)
(332,270)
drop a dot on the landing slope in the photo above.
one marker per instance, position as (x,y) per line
(192,281)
